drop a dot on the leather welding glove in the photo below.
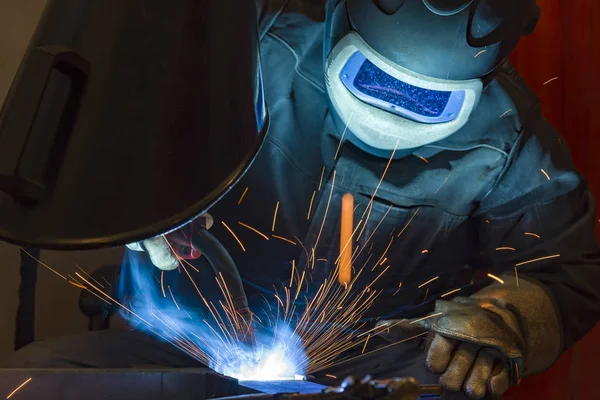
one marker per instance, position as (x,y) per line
(165,251)
(485,343)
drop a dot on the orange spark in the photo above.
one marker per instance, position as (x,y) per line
(234,235)
(342,138)
(399,287)
(425,252)
(89,276)
(545,174)
(41,263)
(480,53)
(365,346)
(378,276)
(487,221)
(537,259)
(242,196)
(451,292)
(113,300)
(322,175)
(443,183)
(162,283)
(505,248)
(284,239)
(346,232)
(311,204)
(300,285)
(532,234)
(293,270)
(18,388)
(189,264)
(550,80)
(253,230)
(383,261)
(424,159)
(275,217)
(494,277)
(326,210)
(173,297)
(331,376)
(505,112)
(77,285)
(517,276)
(408,223)
(424,318)
(428,282)
(370,205)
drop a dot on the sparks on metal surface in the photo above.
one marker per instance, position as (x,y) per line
(424,159)
(533,234)
(505,112)
(480,53)
(550,80)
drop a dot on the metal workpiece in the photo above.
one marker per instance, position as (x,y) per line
(115,384)
(349,389)
(193,384)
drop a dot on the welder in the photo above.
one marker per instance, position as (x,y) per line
(464,189)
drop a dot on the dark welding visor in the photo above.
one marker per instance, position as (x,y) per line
(127,119)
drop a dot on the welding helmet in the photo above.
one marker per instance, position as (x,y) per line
(401,74)
(127,119)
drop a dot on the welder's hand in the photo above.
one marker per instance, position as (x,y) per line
(165,251)
(487,342)
(477,347)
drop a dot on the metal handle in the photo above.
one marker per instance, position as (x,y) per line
(37,119)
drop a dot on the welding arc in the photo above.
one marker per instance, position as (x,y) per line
(224,266)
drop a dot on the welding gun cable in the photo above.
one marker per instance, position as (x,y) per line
(224,266)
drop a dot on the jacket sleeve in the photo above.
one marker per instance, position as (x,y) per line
(538,222)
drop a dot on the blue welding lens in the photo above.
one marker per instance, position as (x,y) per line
(375,87)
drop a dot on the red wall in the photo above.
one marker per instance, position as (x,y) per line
(566,45)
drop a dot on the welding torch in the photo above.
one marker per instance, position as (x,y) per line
(194,240)
(225,268)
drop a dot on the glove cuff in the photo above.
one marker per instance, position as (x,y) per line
(537,316)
